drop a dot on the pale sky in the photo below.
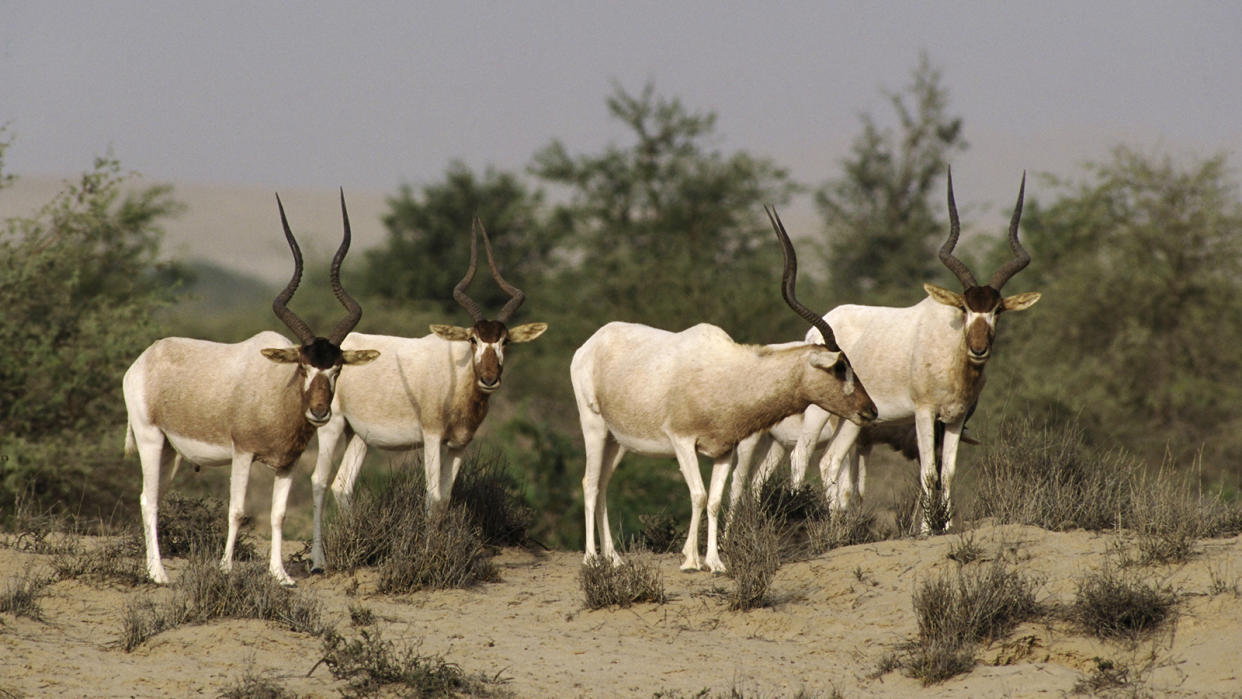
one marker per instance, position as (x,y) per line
(368,95)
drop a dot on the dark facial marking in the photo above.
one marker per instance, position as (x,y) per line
(321,354)
(490,330)
(982,299)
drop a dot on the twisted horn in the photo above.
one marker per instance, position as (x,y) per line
(282,311)
(955,265)
(459,291)
(353,310)
(790,277)
(1021,258)
(515,294)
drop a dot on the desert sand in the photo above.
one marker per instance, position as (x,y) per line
(833,619)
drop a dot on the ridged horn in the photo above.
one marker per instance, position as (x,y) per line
(790,277)
(279,305)
(353,310)
(516,297)
(956,266)
(459,291)
(1021,258)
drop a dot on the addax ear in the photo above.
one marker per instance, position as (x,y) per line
(527,332)
(1020,302)
(282,355)
(452,333)
(942,295)
(824,358)
(359,356)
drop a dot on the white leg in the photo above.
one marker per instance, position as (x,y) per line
(773,458)
(594,436)
(448,476)
(347,474)
(744,454)
(948,467)
(688,460)
(830,466)
(612,456)
(813,421)
(238,480)
(433,455)
(329,435)
(151,453)
(280,499)
(720,471)
(925,428)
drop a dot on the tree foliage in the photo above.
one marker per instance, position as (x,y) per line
(668,230)
(1140,265)
(428,245)
(882,224)
(78,283)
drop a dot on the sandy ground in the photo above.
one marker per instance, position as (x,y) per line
(834,618)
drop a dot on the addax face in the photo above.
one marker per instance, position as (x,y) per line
(488,339)
(319,365)
(980,306)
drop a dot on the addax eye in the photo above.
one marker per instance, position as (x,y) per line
(474,340)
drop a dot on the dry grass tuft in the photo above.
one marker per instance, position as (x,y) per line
(751,551)
(956,612)
(372,666)
(21,596)
(635,580)
(1110,604)
(203,592)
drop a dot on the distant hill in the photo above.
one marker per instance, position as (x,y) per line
(214,286)
(236,227)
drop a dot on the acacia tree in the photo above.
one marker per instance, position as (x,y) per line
(1140,265)
(882,225)
(79,283)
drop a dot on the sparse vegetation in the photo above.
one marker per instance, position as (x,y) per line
(191,526)
(751,550)
(21,596)
(445,552)
(203,592)
(955,612)
(635,580)
(370,664)
(117,560)
(256,685)
(1114,604)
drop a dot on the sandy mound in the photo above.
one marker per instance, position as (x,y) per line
(834,618)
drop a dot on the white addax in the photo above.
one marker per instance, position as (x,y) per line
(924,362)
(697,391)
(430,392)
(214,403)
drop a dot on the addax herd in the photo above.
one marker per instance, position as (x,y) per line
(861,376)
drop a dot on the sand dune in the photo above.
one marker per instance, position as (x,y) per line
(835,617)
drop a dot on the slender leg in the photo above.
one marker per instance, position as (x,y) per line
(773,458)
(347,474)
(612,456)
(952,434)
(720,471)
(594,435)
(433,459)
(813,421)
(329,435)
(688,460)
(830,466)
(744,454)
(238,480)
(448,476)
(925,428)
(150,453)
(280,499)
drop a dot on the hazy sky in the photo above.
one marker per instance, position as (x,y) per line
(369,95)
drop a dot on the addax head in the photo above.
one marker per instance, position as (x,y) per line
(982,304)
(319,359)
(847,397)
(488,338)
